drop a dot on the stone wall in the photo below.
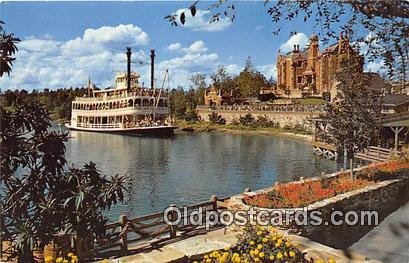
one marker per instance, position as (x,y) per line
(383,197)
(283,119)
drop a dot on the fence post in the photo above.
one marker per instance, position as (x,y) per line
(173,217)
(213,199)
(123,220)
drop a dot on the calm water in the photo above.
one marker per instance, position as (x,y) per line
(189,168)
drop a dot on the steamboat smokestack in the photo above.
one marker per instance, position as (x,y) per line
(128,72)
(152,67)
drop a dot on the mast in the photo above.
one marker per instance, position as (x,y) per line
(152,67)
(128,64)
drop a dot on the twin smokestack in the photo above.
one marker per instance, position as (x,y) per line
(128,64)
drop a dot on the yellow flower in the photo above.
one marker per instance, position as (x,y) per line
(279,255)
(265,240)
(331,260)
(226,248)
(252,253)
(259,246)
(259,233)
(256,251)
(48,259)
(272,257)
(208,260)
(261,255)
(65,261)
(70,254)
(292,254)
(256,260)
(251,243)
(277,244)
(206,256)
(59,260)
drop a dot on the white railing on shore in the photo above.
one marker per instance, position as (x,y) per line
(275,108)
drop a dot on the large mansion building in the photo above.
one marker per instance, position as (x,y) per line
(308,72)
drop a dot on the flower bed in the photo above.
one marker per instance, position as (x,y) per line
(259,244)
(293,195)
(301,194)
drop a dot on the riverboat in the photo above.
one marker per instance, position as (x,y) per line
(127,108)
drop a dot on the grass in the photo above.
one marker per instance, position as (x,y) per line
(210,127)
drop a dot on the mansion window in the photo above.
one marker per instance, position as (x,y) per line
(299,64)
(299,79)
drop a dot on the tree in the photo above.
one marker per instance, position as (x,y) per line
(224,81)
(386,21)
(250,80)
(199,84)
(7,49)
(40,198)
(354,116)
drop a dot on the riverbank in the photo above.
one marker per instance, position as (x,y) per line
(201,126)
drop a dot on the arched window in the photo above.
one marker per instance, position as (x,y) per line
(138,102)
(110,105)
(130,103)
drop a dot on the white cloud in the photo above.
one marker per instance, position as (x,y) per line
(174,46)
(201,21)
(268,71)
(46,63)
(259,28)
(297,39)
(196,47)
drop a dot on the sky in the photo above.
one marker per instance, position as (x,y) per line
(64,43)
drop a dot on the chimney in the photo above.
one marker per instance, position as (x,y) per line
(295,48)
(152,67)
(298,47)
(128,72)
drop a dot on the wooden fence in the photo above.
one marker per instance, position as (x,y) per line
(134,233)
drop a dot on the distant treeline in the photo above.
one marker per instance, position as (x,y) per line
(57,102)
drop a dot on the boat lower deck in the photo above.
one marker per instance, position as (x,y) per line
(157,131)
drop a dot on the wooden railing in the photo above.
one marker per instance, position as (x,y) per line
(131,232)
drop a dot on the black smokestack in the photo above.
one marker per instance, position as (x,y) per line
(128,64)
(152,67)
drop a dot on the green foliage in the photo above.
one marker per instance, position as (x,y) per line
(224,81)
(216,118)
(191,116)
(7,49)
(354,116)
(249,81)
(40,198)
(246,120)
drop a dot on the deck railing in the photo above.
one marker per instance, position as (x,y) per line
(152,228)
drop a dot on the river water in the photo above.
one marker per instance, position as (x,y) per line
(190,167)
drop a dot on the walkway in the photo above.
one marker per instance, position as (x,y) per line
(388,242)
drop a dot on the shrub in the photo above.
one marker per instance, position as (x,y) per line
(216,118)
(246,120)
(234,122)
(191,116)
(263,121)
(259,244)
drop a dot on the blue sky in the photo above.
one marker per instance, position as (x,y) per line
(65,42)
